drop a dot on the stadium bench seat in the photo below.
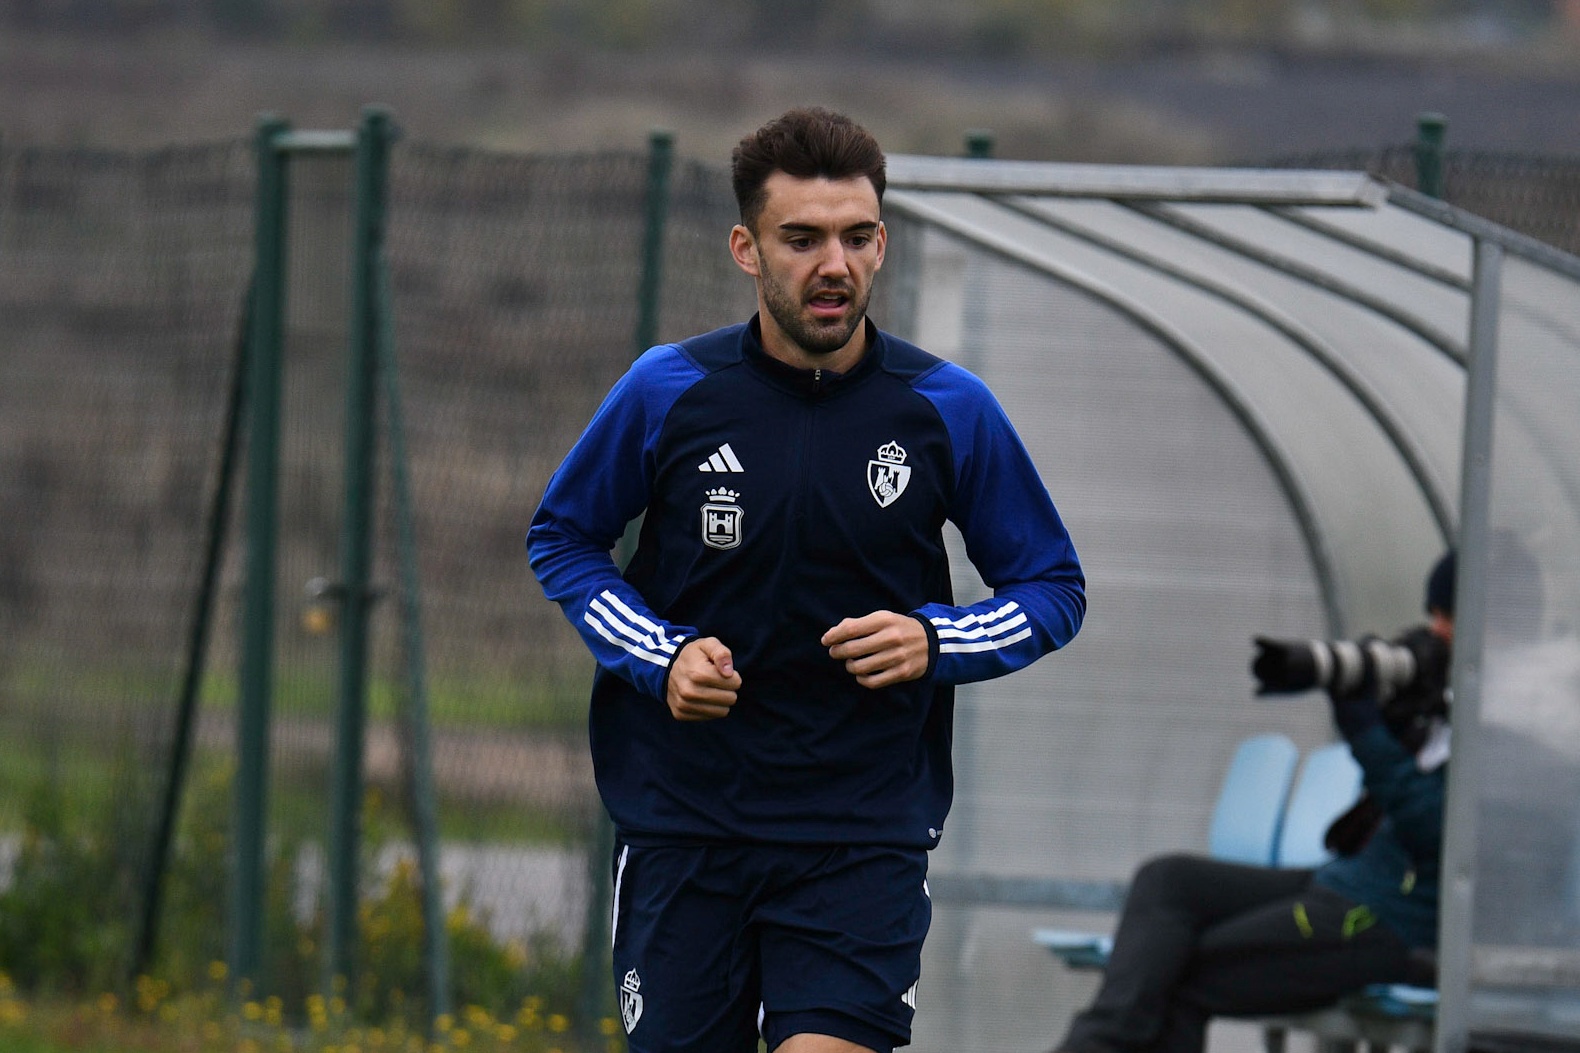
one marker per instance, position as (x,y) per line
(1382,1016)
(1246,820)
(1259,819)
(1329,782)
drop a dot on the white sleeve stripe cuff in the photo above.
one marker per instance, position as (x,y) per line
(983,645)
(946,633)
(978,619)
(655,640)
(638,619)
(644,655)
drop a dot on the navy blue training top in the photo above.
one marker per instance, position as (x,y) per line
(780,501)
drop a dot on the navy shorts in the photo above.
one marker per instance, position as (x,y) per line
(716,944)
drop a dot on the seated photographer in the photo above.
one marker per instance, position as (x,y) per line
(1200,938)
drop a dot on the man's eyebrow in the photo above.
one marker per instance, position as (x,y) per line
(812,228)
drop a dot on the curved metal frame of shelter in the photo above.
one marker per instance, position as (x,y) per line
(1211,263)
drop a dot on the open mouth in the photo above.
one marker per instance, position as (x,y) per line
(828,303)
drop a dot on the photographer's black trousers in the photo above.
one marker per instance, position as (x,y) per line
(1200,938)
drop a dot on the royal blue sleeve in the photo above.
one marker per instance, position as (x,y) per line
(603,484)
(1014,537)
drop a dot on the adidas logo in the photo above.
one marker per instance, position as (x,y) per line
(723,460)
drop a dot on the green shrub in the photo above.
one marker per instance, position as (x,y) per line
(66,917)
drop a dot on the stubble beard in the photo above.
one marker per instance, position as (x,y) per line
(814,337)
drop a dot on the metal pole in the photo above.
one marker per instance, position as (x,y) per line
(356,547)
(1457,916)
(1430,131)
(197,649)
(660,161)
(257,644)
(425,813)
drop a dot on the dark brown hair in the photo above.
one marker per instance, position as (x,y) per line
(807,144)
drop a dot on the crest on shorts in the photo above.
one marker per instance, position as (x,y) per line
(888,475)
(630,1000)
(721,519)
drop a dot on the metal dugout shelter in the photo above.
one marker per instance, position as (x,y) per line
(1247,391)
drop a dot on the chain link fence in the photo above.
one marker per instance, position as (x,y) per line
(121,285)
(123,280)
(1534,194)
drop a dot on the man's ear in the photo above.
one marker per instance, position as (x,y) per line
(883,244)
(744,248)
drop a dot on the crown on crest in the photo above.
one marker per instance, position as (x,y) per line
(722,493)
(891,452)
(632,982)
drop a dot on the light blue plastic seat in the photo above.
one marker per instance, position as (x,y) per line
(1245,824)
(1329,782)
(1250,811)
(1397,1000)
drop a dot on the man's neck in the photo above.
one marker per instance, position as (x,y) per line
(778,344)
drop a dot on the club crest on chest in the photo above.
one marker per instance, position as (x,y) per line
(888,474)
(721,519)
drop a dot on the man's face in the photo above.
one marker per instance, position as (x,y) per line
(816,247)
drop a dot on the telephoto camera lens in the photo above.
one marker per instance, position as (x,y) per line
(1345,668)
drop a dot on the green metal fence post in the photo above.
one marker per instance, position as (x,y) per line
(1430,131)
(660,161)
(425,813)
(245,916)
(356,548)
(979,143)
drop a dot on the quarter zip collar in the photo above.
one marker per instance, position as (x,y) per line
(808,382)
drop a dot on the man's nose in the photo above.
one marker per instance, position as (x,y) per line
(834,262)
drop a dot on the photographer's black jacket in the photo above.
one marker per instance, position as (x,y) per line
(1398,870)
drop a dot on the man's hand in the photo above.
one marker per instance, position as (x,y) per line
(880,649)
(702,680)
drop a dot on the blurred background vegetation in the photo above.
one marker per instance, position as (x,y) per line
(993,28)
(1158,81)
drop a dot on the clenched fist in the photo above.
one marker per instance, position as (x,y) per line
(880,649)
(702,680)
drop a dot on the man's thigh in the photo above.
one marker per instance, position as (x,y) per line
(685,966)
(713,942)
(841,946)
(1289,955)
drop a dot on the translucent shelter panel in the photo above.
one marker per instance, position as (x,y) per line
(1090,761)
(1428,303)
(1389,230)
(1341,471)
(1414,388)
(1526,961)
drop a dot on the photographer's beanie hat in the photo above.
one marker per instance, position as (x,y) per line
(1440,586)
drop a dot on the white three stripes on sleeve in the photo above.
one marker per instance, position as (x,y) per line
(626,629)
(986,632)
